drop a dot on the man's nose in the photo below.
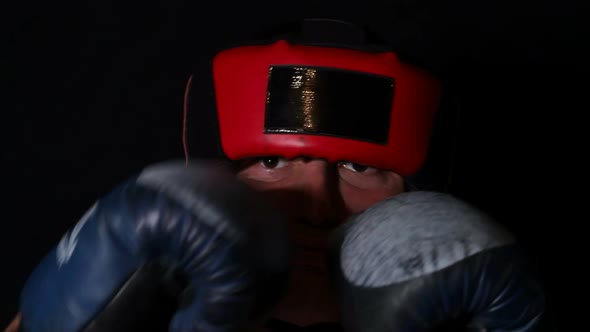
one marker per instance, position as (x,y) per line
(322,201)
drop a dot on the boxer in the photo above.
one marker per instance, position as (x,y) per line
(325,119)
(329,125)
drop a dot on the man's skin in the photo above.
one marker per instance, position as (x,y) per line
(318,196)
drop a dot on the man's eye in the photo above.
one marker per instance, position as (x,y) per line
(356,167)
(273,162)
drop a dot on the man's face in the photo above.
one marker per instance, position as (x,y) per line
(319,192)
(317,196)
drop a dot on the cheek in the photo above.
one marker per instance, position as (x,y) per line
(357,200)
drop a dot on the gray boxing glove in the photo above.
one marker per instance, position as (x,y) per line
(426,261)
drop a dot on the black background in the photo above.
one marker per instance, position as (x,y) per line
(94,92)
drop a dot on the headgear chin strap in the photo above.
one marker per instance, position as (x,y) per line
(339,104)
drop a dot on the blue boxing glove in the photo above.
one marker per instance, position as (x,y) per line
(425,261)
(174,248)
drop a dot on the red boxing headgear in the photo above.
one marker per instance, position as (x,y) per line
(292,100)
